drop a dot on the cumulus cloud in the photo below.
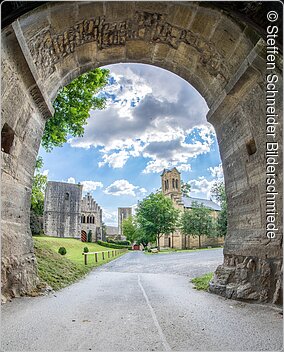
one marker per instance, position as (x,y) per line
(144,116)
(71,180)
(201,186)
(217,171)
(115,160)
(89,186)
(110,217)
(123,187)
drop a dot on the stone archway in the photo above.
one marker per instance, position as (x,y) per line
(223,58)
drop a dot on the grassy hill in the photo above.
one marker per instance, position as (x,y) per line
(59,271)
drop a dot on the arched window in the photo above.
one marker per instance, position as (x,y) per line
(176,183)
(66,196)
(173,182)
(83,219)
(93,218)
(165,184)
(88,219)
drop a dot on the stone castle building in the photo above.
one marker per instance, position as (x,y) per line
(171,187)
(91,218)
(66,214)
(62,209)
(123,213)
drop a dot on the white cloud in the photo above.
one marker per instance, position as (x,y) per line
(144,114)
(45,172)
(71,180)
(89,186)
(216,171)
(201,186)
(115,160)
(123,187)
(110,217)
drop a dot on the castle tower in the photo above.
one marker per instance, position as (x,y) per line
(62,209)
(171,184)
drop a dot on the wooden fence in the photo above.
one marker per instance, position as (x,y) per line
(110,254)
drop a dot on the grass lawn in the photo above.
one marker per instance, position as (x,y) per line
(59,271)
(202,282)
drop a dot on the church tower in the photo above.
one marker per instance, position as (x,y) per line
(171,185)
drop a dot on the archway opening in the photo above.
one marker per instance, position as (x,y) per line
(221,57)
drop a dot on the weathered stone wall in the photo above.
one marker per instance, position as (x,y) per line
(252,266)
(23,113)
(180,241)
(89,208)
(62,209)
(45,49)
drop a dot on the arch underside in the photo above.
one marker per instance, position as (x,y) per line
(223,59)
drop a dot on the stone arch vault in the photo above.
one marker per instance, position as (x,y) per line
(223,58)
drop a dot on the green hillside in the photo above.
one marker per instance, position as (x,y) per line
(59,271)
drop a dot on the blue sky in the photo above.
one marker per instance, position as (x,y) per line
(153,120)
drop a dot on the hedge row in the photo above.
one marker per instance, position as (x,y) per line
(112,245)
(122,243)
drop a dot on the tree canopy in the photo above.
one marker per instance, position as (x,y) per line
(72,108)
(38,189)
(129,229)
(219,193)
(198,221)
(185,188)
(156,215)
(135,233)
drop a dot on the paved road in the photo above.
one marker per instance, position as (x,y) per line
(141,303)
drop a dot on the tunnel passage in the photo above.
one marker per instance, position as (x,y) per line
(221,56)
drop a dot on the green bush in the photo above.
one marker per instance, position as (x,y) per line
(122,243)
(112,245)
(86,250)
(62,250)
(35,224)
(89,236)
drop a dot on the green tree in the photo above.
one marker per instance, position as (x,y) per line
(129,229)
(37,199)
(185,189)
(143,237)
(38,189)
(135,233)
(197,221)
(156,216)
(72,108)
(219,193)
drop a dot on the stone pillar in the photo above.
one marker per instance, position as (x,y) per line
(252,268)
(24,111)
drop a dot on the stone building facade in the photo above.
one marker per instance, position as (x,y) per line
(171,187)
(91,218)
(123,213)
(67,214)
(62,209)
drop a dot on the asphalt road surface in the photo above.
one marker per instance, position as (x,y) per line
(141,302)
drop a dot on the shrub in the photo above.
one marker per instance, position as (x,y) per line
(89,239)
(62,250)
(112,245)
(35,224)
(122,243)
(86,250)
